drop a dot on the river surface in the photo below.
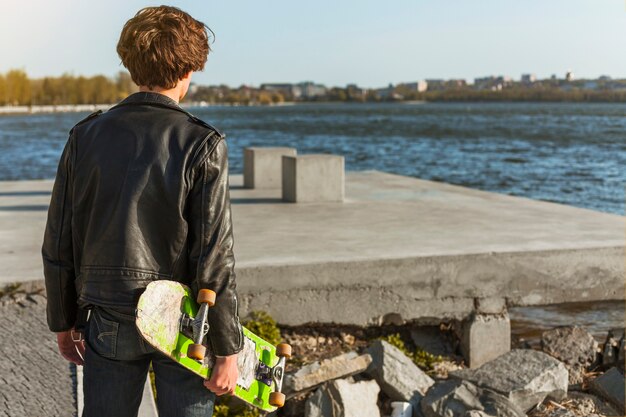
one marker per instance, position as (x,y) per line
(570,153)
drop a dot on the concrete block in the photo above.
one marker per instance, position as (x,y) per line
(313,178)
(343,398)
(525,376)
(462,398)
(262,166)
(316,373)
(485,337)
(396,374)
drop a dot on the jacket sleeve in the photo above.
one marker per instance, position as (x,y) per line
(57,249)
(210,243)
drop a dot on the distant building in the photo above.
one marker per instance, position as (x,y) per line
(419,86)
(455,83)
(493,83)
(569,76)
(385,92)
(285,89)
(435,84)
(356,92)
(528,78)
(308,89)
(590,85)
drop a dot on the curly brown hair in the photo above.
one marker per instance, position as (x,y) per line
(160,45)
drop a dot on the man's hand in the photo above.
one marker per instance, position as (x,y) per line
(73,351)
(223,376)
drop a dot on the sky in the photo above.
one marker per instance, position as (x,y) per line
(334,42)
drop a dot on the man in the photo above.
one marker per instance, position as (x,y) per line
(141,194)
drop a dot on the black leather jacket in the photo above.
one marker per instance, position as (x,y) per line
(141,194)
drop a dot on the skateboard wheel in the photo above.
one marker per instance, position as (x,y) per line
(206,296)
(277,399)
(196,351)
(283,350)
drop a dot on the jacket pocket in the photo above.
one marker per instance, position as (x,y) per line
(102,336)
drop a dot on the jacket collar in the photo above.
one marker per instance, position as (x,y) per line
(150,97)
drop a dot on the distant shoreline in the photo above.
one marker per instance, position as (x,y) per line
(77,108)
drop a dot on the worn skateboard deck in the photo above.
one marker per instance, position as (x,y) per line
(159,313)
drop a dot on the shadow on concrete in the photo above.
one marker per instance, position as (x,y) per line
(23,193)
(256,200)
(37,207)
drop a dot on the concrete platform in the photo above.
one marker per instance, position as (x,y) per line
(422,249)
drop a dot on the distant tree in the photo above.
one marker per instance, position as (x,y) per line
(337,94)
(264,98)
(18,87)
(124,85)
(277,97)
(3,90)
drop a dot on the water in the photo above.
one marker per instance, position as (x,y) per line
(567,153)
(598,318)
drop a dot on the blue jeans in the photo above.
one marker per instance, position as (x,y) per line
(116,365)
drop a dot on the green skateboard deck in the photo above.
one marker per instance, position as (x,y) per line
(164,314)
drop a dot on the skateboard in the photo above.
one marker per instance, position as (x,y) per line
(175,323)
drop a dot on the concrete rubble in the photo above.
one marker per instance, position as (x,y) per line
(611,387)
(525,376)
(344,398)
(397,375)
(316,373)
(572,345)
(586,404)
(375,378)
(454,398)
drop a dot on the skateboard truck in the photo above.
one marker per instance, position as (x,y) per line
(199,325)
(267,374)
(283,351)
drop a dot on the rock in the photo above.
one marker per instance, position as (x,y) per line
(586,404)
(347,338)
(524,376)
(459,398)
(396,374)
(475,413)
(572,345)
(610,350)
(320,404)
(443,368)
(611,386)
(342,398)
(316,373)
